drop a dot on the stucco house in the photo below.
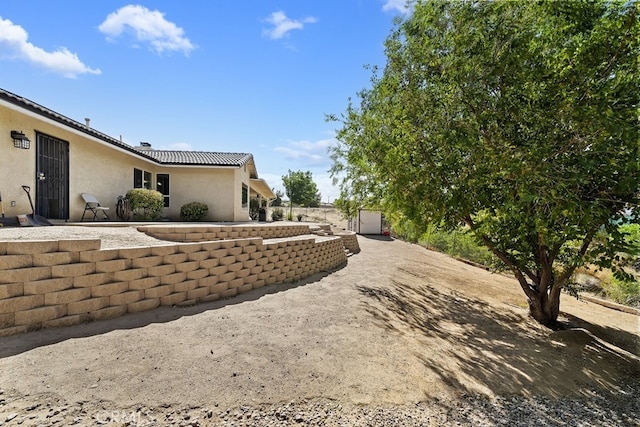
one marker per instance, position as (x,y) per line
(60,158)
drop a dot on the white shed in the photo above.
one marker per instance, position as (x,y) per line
(368,222)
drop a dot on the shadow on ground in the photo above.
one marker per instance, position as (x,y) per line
(378,237)
(496,346)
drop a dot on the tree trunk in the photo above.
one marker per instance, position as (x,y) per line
(545,308)
(541,286)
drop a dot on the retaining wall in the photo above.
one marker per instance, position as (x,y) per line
(349,240)
(212,232)
(64,282)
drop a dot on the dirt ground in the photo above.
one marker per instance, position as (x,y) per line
(398,324)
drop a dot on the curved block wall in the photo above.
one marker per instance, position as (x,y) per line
(64,282)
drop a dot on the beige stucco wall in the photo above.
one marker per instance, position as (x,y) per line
(214,187)
(100,170)
(106,171)
(17,167)
(94,166)
(241,177)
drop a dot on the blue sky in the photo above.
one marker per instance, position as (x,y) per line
(236,76)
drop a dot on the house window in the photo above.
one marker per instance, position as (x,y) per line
(141,179)
(162,185)
(245,196)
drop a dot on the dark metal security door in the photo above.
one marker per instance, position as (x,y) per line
(52,177)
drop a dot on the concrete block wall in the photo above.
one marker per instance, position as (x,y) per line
(64,282)
(349,240)
(209,232)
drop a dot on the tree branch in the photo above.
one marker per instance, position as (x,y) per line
(568,271)
(528,290)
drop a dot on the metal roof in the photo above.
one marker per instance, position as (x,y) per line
(164,157)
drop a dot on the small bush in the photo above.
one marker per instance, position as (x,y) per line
(145,204)
(254,208)
(193,211)
(277,214)
(623,291)
(458,243)
(624,286)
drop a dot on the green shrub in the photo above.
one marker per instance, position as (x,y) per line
(193,211)
(623,286)
(254,208)
(277,214)
(623,291)
(458,243)
(403,228)
(145,204)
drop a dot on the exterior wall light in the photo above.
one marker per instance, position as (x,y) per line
(20,140)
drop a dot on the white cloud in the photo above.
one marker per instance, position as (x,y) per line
(282,25)
(274,180)
(14,42)
(399,5)
(328,191)
(307,152)
(147,26)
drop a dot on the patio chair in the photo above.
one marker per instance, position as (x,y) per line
(92,205)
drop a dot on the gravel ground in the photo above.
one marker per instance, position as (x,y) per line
(600,409)
(111,237)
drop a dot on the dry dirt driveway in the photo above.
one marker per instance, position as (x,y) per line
(398,325)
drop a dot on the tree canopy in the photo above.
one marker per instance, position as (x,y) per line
(300,189)
(517,119)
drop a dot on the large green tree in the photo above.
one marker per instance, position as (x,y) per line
(300,189)
(518,119)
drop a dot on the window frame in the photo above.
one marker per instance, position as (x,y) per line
(163,186)
(245,196)
(142,178)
